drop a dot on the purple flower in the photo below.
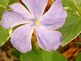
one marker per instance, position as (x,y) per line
(45,24)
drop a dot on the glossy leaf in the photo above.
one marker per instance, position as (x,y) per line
(41,55)
(13,1)
(72,27)
(4,3)
(1,11)
(78,5)
(4,36)
(77,2)
(80,35)
(15,53)
(3,6)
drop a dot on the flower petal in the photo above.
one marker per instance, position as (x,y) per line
(48,39)
(36,7)
(19,8)
(11,19)
(55,17)
(21,38)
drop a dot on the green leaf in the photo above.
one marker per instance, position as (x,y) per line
(4,3)
(15,53)
(41,55)
(4,36)
(1,11)
(78,58)
(72,26)
(78,5)
(53,56)
(80,35)
(31,56)
(3,6)
(13,1)
(77,2)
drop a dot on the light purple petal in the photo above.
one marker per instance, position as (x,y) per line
(21,38)
(55,17)
(36,6)
(48,39)
(11,19)
(19,8)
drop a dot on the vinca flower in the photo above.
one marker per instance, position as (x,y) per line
(32,18)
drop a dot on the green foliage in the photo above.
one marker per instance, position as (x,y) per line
(78,58)
(78,2)
(41,55)
(72,27)
(4,35)
(1,11)
(80,35)
(3,6)
(13,1)
(4,3)
(15,53)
